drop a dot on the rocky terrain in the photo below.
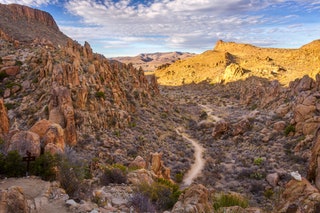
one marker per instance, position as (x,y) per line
(230,61)
(123,143)
(151,61)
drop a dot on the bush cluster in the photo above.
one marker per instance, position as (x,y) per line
(116,174)
(69,171)
(227,200)
(162,193)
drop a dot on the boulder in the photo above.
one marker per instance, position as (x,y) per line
(138,162)
(11,70)
(50,132)
(279,126)
(195,199)
(273,179)
(220,127)
(141,176)
(13,200)
(299,196)
(241,127)
(24,141)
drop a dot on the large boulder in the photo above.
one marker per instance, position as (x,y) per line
(50,133)
(195,199)
(141,176)
(13,200)
(25,141)
(299,196)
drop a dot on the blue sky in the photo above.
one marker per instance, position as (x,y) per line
(130,27)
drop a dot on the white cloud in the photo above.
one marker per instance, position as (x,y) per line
(36,3)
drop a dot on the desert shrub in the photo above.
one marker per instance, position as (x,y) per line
(100,95)
(18,63)
(258,161)
(162,193)
(71,172)
(14,166)
(142,203)
(10,106)
(179,177)
(268,193)
(3,75)
(117,174)
(2,162)
(290,128)
(45,166)
(226,200)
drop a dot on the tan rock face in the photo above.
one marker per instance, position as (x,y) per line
(156,165)
(138,162)
(314,164)
(299,195)
(50,133)
(194,199)
(4,121)
(13,200)
(24,141)
(61,111)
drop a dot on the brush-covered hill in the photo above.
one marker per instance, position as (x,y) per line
(152,61)
(230,61)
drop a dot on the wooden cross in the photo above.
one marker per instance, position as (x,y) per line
(28,159)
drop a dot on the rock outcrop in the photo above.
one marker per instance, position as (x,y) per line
(194,199)
(156,165)
(25,141)
(24,24)
(4,121)
(299,196)
(13,200)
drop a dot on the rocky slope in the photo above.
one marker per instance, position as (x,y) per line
(24,24)
(152,61)
(230,61)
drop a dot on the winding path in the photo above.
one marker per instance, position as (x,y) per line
(199,163)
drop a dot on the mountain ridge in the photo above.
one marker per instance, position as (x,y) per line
(25,24)
(151,61)
(280,64)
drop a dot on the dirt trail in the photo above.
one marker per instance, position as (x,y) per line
(198,165)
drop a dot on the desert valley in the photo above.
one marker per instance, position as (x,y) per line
(233,129)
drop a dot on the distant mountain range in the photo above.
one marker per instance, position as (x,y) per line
(230,61)
(152,61)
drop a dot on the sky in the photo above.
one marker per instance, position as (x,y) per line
(130,27)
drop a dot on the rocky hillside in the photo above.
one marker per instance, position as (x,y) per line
(230,61)
(24,24)
(152,61)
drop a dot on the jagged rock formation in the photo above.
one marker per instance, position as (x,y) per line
(284,65)
(24,24)
(4,121)
(194,199)
(152,61)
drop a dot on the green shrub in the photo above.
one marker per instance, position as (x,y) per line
(10,106)
(258,161)
(18,63)
(100,95)
(72,172)
(179,177)
(162,193)
(290,128)
(14,166)
(117,174)
(3,75)
(45,166)
(226,200)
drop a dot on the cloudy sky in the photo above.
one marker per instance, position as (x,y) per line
(130,27)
